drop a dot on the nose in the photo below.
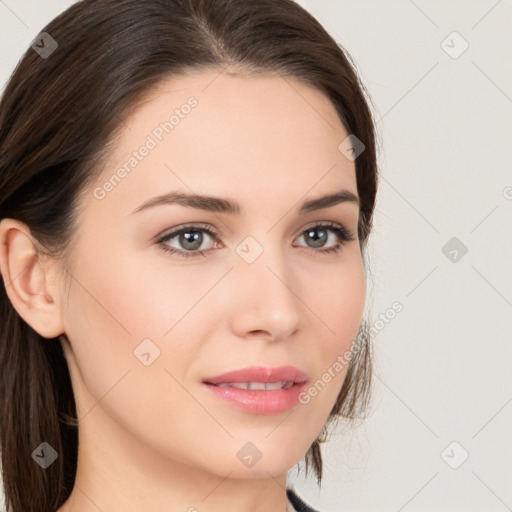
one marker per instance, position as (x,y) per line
(265,300)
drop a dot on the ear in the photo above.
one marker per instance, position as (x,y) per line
(27,277)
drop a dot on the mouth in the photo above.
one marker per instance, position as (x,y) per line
(259,390)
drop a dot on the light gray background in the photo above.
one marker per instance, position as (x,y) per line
(443,364)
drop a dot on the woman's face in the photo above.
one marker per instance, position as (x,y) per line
(147,327)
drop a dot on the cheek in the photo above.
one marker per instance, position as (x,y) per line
(339,304)
(130,296)
(117,319)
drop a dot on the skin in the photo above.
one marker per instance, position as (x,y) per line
(151,438)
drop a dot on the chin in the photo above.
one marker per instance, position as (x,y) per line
(252,462)
(260,470)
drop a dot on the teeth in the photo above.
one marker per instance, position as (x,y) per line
(257,385)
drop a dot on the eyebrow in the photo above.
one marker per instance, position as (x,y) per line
(231,207)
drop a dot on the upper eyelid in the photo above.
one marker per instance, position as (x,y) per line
(175,231)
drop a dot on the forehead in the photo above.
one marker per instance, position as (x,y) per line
(211,132)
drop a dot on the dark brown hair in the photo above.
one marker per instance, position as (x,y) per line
(56,116)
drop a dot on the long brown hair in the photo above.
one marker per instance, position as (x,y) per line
(56,114)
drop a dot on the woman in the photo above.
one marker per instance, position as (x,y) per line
(187,190)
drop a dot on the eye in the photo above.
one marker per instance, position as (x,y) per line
(318,235)
(191,238)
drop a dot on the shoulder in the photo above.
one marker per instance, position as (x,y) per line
(298,504)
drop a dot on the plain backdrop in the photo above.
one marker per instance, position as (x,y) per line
(438,436)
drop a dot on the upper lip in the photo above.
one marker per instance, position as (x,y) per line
(260,374)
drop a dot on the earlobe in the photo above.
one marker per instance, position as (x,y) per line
(26,279)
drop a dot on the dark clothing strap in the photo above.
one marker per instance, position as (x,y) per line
(298,503)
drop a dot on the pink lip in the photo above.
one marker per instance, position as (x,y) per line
(259,401)
(260,374)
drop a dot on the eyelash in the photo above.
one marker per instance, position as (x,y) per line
(342,233)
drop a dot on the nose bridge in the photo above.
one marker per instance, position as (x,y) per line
(265,298)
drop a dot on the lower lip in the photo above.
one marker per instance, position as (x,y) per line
(259,401)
